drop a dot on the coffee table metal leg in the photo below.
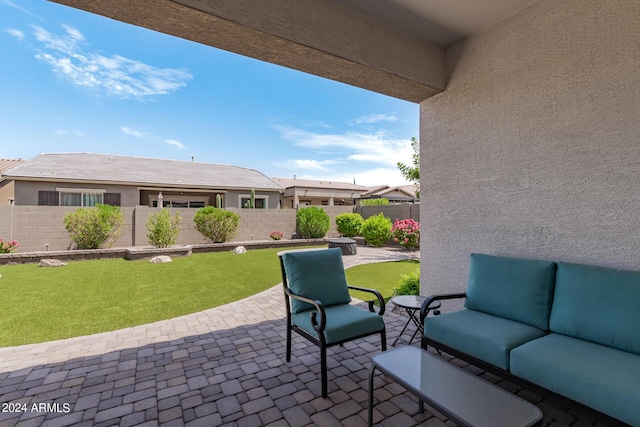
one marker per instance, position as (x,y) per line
(373,368)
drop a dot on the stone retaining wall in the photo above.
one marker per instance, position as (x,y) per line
(136,253)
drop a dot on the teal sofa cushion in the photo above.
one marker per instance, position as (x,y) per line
(483,336)
(343,322)
(600,377)
(598,304)
(318,275)
(513,288)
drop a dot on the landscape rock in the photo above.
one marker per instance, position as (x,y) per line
(51,263)
(160,259)
(240,250)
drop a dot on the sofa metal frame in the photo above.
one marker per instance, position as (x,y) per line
(319,326)
(506,375)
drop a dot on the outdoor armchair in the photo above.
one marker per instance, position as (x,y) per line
(317,303)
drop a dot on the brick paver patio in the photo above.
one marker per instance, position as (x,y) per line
(223,366)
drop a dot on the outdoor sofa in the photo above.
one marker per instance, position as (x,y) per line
(569,331)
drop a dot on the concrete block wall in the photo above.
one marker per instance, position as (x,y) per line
(36,226)
(393,212)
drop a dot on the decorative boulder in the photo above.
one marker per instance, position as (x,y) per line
(160,259)
(51,263)
(240,250)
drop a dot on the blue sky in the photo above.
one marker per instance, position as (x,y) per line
(76,82)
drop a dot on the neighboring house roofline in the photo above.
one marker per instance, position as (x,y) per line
(319,184)
(141,185)
(140,171)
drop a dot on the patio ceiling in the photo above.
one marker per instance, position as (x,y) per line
(394,47)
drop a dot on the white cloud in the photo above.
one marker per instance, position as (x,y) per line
(175,143)
(376,148)
(70,56)
(9,3)
(370,158)
(132,132)
(373,118)
(306,164)
(15,33)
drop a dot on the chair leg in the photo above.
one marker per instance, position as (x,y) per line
(383,339)
(323,370)
(288,343)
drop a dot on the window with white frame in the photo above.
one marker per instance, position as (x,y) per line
(80,196)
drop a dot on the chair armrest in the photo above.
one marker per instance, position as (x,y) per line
(319,308)
(376,293)
(424,310)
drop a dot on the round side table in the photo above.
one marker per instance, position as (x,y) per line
(412,305)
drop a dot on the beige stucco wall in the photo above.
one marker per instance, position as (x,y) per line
(533,150)
(26,192)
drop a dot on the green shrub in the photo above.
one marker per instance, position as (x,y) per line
(312,222)
(409,284)
(93,228)
(217,225)
(376,230)
(374,202)
(163,228)
(349,224)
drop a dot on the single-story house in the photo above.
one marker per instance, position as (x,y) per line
(84,179)
(309,192)
(7,185)
(395,195)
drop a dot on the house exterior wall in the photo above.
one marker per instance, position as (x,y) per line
(7,191)
(532,151)
(26,192)
(233,198)
(318,197)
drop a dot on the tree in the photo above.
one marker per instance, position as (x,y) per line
(412,172)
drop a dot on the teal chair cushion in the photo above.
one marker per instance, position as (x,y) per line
(598,304)
(600,377)
(318,275)
(513,288)
(483,336)
(343,322)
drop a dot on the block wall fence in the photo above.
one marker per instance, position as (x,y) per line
(35,227)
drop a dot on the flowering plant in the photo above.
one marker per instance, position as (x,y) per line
(407,233)
(276,235)
(8,247)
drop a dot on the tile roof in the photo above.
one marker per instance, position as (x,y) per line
(139,171)
(409,190)
(311,183)
(6,164)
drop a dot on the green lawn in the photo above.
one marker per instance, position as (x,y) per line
(383,277)
(88,297)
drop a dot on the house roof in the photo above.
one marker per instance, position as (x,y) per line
(103,168)
(6,164)
(409,190)
(311,183)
